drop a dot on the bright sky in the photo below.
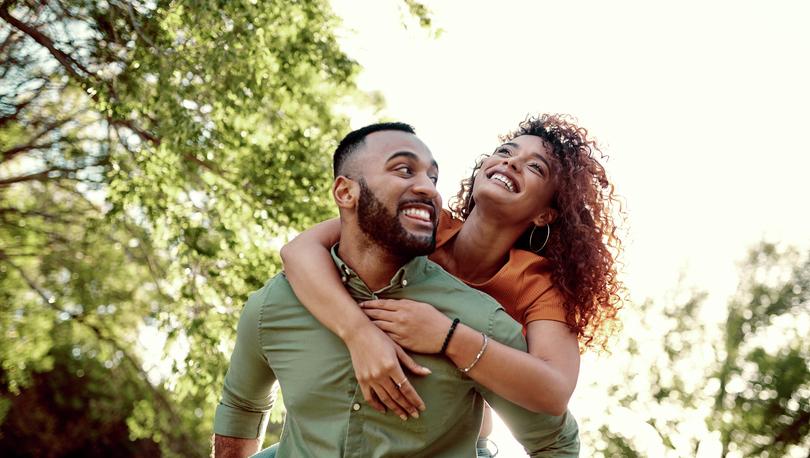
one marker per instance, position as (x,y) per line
(703,108)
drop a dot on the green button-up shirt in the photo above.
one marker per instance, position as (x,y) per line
(278,339)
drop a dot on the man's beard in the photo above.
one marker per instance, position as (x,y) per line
(387,231)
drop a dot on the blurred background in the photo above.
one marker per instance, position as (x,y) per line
(156,154)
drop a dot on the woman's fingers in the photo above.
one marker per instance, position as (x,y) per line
(387,327)
(381,304)
(404,383)
(379,314)
(409,363)
(376,361)
(409,393)
(385,396)
(371,398)
(394,399)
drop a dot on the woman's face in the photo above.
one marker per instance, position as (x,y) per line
(518,178)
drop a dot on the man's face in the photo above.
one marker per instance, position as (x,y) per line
(398,206)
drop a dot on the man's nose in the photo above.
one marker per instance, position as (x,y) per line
(426,187)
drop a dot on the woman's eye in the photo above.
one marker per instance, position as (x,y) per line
(503,152)
(537,168)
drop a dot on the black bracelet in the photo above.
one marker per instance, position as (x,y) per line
(449,335)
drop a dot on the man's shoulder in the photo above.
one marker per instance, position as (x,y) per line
(475,308)
(276,290)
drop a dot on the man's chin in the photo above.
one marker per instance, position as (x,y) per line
(422,235)
(417,246)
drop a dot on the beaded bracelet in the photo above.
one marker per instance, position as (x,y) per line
(449,335)
(478,356)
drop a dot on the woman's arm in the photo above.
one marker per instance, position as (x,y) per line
(547,373)
(311,272)
(541,380)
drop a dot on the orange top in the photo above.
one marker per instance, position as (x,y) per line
(523,285)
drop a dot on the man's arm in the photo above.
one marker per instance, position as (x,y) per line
(540,434)
(247,395)
(234,447)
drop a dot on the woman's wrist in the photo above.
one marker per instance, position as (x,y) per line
(464,345)
(449,336)
(354,326)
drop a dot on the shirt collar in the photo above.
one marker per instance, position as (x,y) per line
(411,273)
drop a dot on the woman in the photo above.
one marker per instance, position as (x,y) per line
(533,227)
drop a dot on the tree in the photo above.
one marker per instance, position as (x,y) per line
(154,155)
(742,383)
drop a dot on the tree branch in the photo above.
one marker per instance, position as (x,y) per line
(69,63)
(138,131)
(40,176)
(9,154)
(19,107)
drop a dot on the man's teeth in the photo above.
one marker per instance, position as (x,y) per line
(505,180)
(417,213)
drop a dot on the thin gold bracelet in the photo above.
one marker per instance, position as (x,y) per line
(478,356)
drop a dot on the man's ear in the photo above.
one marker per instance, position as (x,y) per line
(547,216)
(345,191)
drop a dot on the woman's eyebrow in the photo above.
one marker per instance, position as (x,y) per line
(535,154)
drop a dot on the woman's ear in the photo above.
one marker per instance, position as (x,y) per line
(345,191)
(547,216)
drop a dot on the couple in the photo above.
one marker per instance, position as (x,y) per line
(542,190)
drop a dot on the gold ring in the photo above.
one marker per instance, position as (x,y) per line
(399,384)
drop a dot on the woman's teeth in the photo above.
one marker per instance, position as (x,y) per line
(505,180)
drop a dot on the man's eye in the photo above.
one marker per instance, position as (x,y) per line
(434,179)
(404,169)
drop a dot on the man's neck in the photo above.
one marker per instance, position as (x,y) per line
(373,264)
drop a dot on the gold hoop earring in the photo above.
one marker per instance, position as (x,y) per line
(531,237)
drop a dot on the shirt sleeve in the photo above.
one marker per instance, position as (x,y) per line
(540,434)
(247,395)
(547,306)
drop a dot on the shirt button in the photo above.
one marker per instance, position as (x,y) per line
(355,406)
(343,279)
(404,282)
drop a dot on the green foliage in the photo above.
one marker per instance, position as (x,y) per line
(153,157)
(747,377)
(763,405)
(76,408)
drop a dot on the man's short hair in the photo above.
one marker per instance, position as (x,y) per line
(354,139)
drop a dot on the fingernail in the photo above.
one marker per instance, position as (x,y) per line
(415,414)
(403,417)
(427,370)
(422,408)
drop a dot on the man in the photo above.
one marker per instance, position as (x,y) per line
(386,194)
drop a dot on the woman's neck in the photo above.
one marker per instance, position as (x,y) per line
(481,248)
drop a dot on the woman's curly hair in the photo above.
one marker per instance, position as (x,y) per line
(584,243)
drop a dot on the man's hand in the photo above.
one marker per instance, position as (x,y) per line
(417,326)
(376,360)
(234,447)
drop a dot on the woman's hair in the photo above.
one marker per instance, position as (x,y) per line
(583,241)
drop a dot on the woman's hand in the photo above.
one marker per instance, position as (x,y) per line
(417,326)
(376,360)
